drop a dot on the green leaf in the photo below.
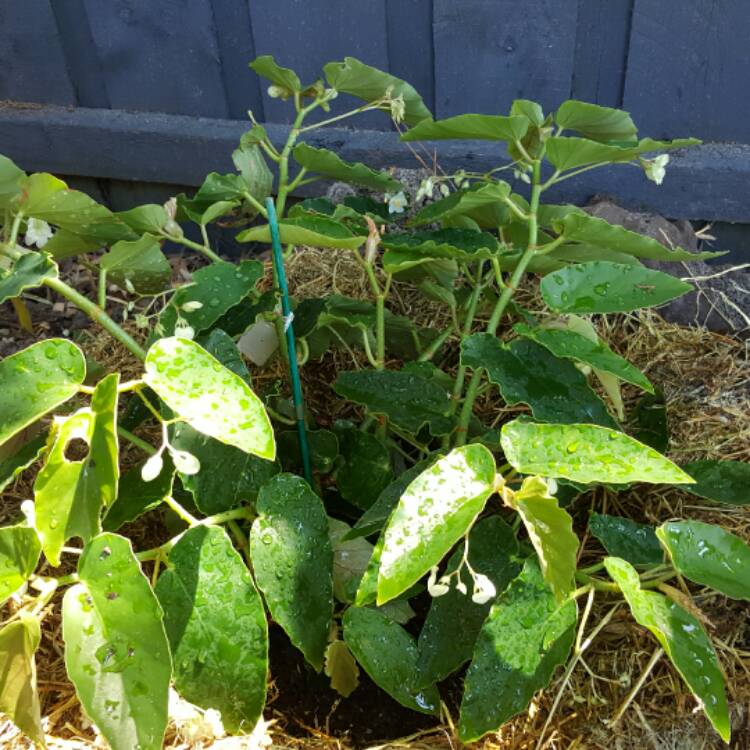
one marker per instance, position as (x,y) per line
(70,494)
(462,245)
(550,530)
(327,163)
(208,396)
(568,153)
(525,637)
(19,699)
(406,399)
(225,189)
(251,163)
(323,444)
(682,637)
(313,229)
(596,122)
(36,380)
(293,562)
(471,127)
(366,469)
(350,560)
(19,554)
(434,512)
(10,178)
(136,497)
(29,271)
(555,389)
(571,345)
(216,627)
(585,453)
(284,78)
(146,218)
(721,481)
(142,263)
(578,226)
(217,287)
(453,622)
(20,460)
(484,203)
(650,423)
(389,656)
(621,537)
(602,287)
(365,82)
(709,555)
(116,651)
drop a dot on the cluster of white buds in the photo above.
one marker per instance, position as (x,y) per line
(183,329)
(184,462)
(483,589)
(655,168)
(521,174)
(398,107)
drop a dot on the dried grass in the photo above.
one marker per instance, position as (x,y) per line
(706,380)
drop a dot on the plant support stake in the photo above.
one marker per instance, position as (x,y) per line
(299,404)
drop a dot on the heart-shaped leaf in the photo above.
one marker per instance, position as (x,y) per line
(146,218)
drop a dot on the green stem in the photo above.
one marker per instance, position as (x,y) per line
(135,440)
(207,251)
(337,118)
(256,204)
(380,331)
(433,348)
(14,229)
(98,315)
(102,288)
(183,513)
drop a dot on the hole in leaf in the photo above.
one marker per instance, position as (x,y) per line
(76,449)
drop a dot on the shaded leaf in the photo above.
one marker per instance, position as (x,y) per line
(216,627)
(116,652)
(350,560)
(481,202)
(720,481)
(434,512)
(596,122)
(19,554)
(29,271)
(389,655)
(21,459)
(366,468)
(602,287)
(142,263)
(36,380)
(323,445)
(651,427)
(293,562)
(585,453)
(253,168)
(682,637)
(634,542)
(149,217)
(709,555)
(470,127)
(525,637)
(285,78)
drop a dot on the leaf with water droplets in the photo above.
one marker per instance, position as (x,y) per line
(19,699)
(721,481)
(69,493)
(293,562)
(29,271)
(709,555)
(138,266)
(604,287)
(555,389)
(366,466)
(550,529)
(208,396)
(36,380)
(682,637)
(585,453)
(525,637)
(621,537)
(434,512)
(389,656)
(216,627)
(19,554)
(116,651)
(453,623)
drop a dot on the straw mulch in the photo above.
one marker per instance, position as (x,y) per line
(620,695)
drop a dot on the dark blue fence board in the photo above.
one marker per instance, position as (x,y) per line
(490,52)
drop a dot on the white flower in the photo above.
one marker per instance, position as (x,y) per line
(185,463)
(191,306)
(183,330)
(396,203)
(656,168)
(152,468)
(38,232)
(484,589)
(436,589)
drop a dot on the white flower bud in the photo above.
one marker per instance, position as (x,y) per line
(185,463)
(191,306)
(152,468)
(436,589)
(461,586)
(484,589)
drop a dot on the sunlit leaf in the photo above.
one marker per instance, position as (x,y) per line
(29,271)
(634,542)
(19,554)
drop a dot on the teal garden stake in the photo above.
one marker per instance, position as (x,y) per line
(299,404)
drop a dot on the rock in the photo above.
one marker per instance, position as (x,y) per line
(721,300)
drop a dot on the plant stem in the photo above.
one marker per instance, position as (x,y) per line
(98,315)
(380,331)
(207,251)
(337,118)
(102,288)
(135,440)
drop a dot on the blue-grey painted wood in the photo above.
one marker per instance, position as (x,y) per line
(304,35)
(711,182)
(159,56)
(234,37)
(80,53)
(602,41)
(688,69)
(32,64)
(490,52)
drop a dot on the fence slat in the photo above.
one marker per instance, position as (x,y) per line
(159,56)
(490,52)
(31,58)
(688,69)
(304,35)
(602,39)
